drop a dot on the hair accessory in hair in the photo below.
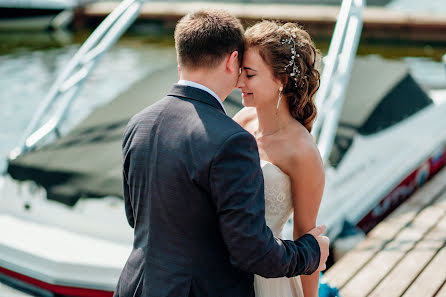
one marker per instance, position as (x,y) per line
(292,64)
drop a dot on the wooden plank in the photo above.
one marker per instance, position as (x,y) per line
(258,11)
(434,275)
(376,270)
(252,11)
(431,278)
(378,22)
(442,292)
(350,264)
(406,271)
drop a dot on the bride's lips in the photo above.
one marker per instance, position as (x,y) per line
(244,94)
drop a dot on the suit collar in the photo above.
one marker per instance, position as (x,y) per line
(195,94)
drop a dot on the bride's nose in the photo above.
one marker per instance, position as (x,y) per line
(240,82)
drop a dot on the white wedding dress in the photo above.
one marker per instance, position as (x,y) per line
(278,208)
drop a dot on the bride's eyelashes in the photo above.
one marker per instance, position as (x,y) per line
(249,75)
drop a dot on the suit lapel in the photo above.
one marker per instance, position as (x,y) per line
(195,94)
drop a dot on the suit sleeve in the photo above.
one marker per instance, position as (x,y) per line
(237,189)
(126,191)
(127,202)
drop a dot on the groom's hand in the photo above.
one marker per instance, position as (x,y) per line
(323,242)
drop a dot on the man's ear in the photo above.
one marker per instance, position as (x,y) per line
(232,63)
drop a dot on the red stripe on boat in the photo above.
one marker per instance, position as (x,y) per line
(404,190)
(58,289)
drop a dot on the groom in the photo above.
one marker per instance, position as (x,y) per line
(193,186)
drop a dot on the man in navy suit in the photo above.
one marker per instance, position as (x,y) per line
(193,186)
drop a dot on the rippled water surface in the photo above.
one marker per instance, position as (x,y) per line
(30,62)
(28,69)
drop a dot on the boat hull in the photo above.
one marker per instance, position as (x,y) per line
(28,18)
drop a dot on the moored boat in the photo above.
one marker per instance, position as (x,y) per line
(36,15)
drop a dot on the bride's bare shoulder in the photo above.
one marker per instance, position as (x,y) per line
(245,115)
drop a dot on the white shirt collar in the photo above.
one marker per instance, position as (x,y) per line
(201,87)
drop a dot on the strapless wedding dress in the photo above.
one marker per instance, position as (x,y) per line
(278,208)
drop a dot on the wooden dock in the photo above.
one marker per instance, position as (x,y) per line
(405,255)
(379,22)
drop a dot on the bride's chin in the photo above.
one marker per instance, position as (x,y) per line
(248,103)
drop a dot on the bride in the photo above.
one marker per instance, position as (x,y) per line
(278,82)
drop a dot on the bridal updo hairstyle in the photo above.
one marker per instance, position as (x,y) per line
(299,90)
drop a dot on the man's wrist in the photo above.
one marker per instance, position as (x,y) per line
(313,253)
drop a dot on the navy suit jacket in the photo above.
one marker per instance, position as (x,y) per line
(193,191)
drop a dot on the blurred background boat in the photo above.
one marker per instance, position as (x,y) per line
(37,15)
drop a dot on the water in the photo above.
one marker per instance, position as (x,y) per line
(29,64)
(27,71)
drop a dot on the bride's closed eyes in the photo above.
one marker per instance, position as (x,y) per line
(249,72)
(248,75)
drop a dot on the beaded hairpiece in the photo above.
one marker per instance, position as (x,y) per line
(295,69)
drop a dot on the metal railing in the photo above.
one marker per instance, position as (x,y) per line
(336,74)
(70,81)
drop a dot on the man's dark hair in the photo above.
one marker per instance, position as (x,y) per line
(205,37)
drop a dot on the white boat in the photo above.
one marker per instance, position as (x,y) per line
(50,247)
(381,170)
(36,15)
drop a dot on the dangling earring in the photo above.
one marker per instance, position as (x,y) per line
(280,98)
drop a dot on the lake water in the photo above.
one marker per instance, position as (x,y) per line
(30,62)
(28,69)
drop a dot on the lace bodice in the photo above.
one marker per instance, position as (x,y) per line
(278,200)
